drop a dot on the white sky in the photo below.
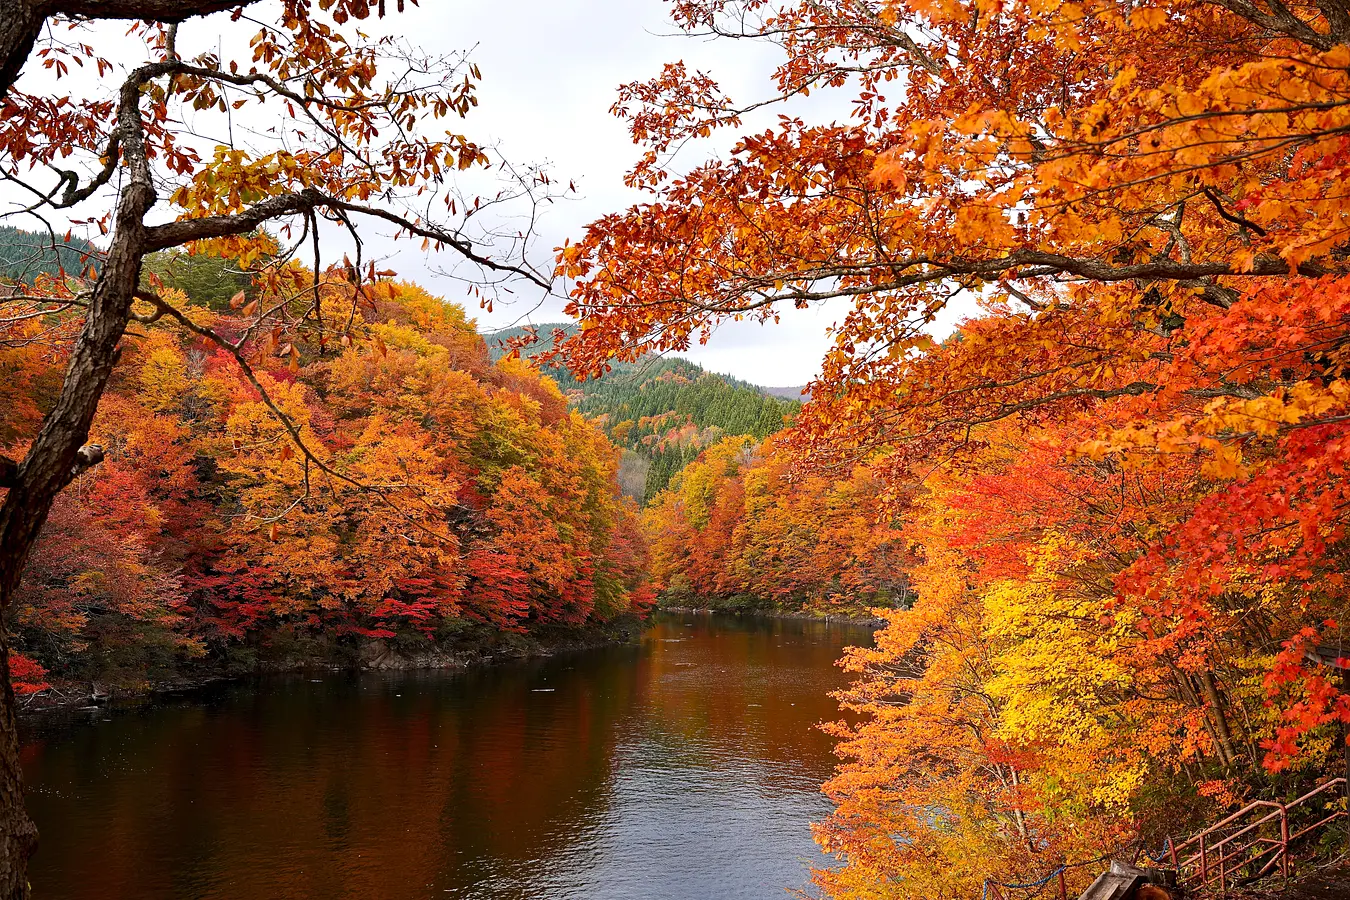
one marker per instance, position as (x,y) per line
(551,70)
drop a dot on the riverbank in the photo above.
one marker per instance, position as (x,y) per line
(476,648)
(798,616)
(1328,881)
(686,766)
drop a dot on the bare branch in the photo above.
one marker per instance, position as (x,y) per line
(173,234)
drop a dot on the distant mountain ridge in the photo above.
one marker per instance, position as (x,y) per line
(497,341)
(799,392)
(663,411)
(24,255)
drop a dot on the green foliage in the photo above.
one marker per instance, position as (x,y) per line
(208,279)
(665,410)
(24,255)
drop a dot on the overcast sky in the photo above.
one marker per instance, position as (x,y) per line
(551,69)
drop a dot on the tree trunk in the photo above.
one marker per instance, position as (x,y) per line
(20,24)
(1221,729)
(1020,816)
(1189,695)
(59,454)
(18,834)
(56,457)
(22,515)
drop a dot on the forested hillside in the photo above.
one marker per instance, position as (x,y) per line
(209,279)
(440,493)
(735,531)
(25,255)
(664,410)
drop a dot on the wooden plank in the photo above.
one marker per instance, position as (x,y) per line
(1113,886)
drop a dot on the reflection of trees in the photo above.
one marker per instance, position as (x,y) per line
(308,791)
(402,786)
(756,689)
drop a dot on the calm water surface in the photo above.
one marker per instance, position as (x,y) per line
(685,768)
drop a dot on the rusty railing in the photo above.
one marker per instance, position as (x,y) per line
(1241,844)
(1247,845)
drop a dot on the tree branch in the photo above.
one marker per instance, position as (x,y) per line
(173,234)
(75,194)
(86,458)
(150,10)
(1282,21)
(1236,218)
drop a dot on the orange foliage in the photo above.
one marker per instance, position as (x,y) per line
(475,496)
(1125,473)
(736,527)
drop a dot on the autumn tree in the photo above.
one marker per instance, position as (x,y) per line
(1140,209)
(205,534)
(362,141)
(736,527)
(1107,174)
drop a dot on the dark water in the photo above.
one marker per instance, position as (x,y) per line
(686,768)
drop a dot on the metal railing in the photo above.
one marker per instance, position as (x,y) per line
(1241,848)
(1237,849)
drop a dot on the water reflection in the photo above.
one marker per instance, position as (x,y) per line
(684,768)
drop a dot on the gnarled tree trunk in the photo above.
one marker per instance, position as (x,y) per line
(58,455)
(18,834)
(20,24)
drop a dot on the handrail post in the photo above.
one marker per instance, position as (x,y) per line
(1284,841)
(1345,743)
(1204,861)
(1223,871)
(1063,891)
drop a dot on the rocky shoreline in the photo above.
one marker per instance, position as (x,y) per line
(370,656)
(382,656)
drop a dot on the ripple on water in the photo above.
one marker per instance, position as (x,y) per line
(686,768)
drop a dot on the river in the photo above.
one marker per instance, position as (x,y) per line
(685,768)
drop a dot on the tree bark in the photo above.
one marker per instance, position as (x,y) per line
(18,834)
(59,454)
(21,22)
(1215,703)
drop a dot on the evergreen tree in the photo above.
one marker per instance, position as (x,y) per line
(667,410)
(24,255)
